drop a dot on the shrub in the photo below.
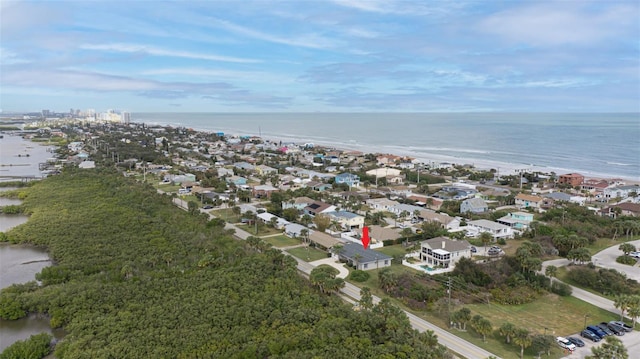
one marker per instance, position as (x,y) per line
(502,241)
(561,289)
(37,346)
(626,260)
(359,276)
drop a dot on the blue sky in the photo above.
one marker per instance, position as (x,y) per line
(329,56)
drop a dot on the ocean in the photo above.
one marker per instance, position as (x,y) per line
(594,144)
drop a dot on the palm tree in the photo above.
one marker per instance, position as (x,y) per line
(551,271)
(387,279)
(522,338)
(627,248)
(485,237)
(612,348)
(357,257)
(633,308)
(305,235)
(484,327)
(622,302)
(507,330)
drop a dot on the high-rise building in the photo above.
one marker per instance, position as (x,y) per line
(125,117)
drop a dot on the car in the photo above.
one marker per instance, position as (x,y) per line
(597,331)
(625,326)
(605,329)
(577,341)
(207,207)
(635,254)
(615,328)
(474,249)
(589,335)
(565,343)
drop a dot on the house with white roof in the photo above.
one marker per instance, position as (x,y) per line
(497,230)
(410,209)
(294,230)
(381,204)
(517,220)
(621,191)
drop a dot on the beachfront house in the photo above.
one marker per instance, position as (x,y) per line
(443,252)
(621,192)
(355,255)
(571,179)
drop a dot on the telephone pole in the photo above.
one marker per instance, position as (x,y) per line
(449,301)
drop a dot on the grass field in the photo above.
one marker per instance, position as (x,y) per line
(309,254)
(396,249)
(282,241)
(604,243)
(263,230)
(226,214)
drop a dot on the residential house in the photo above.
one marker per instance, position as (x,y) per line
(447,222)
(378,234)
(266,217)
(528,201)
(178,179)
(384,172)
(323,240)
(621,191)
(387,160)
(236,180)
(347,220)
(349,179)
(318,186)
(474,205)
(244,166)
(264,170)
(572,179)
(517,220)
(263,191)
(363,259)
(409,209)
(298,203)
(317,207)
(294,230)
(622,209)
(381,204)
(497,230)
(443,252)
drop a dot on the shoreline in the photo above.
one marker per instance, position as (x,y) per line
(503,168)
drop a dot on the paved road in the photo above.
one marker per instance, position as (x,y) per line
(607,259)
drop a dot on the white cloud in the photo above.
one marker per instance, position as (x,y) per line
(311,40)
(155,51)
(559,24)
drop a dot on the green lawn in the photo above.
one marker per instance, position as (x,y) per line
(396,249)
(282,241)
(604,243)
(226,214)
(263,230)
(309,254)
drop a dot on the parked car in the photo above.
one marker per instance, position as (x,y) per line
(207,207)
(597,331)
(635,254)
(625,326)
(605,329)
(474,249)
(565,343)
(615,328)
(589,335)
(577,341)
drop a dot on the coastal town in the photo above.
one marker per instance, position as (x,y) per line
(314,202)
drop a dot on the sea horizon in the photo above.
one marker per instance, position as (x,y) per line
(602,145)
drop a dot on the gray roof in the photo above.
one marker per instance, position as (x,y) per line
(485,223)
(558,196)
(475,202)
(350,249)
(449,245)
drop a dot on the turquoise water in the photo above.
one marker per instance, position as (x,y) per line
(427,268)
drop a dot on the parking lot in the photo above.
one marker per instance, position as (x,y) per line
(630,340)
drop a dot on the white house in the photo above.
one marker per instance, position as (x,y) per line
(347,220)
(474,205)
(363,259)
(443,252)
(621,191)
(381,204)
(497,230)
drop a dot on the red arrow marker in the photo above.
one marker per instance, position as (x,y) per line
(365,237)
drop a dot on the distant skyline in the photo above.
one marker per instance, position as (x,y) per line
(320,56)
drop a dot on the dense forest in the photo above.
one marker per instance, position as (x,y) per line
(136,277)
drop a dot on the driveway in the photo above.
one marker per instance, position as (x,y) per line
(335,264)
(607,259)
